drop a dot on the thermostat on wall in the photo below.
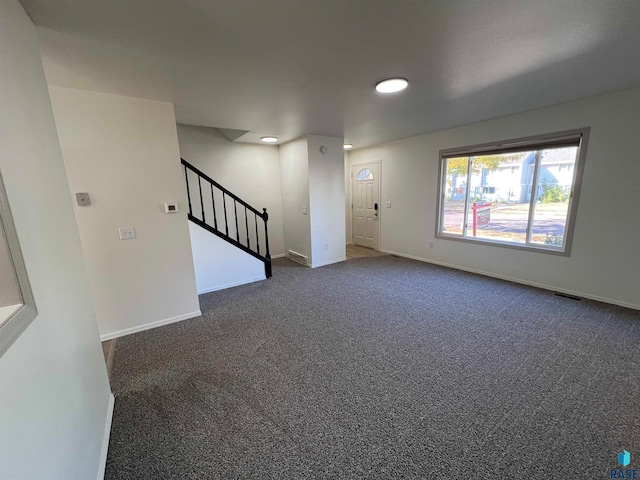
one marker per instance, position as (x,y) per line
(171,207)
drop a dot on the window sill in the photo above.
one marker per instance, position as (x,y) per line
(14,324)
(500,243)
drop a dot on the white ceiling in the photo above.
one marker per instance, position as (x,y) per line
(295,67)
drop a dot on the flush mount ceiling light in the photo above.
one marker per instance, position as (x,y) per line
(392,85)
(348,146)
(269,139)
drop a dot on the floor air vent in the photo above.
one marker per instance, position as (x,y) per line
(296,257)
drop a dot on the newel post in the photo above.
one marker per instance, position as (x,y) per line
(267,265)
(265,216)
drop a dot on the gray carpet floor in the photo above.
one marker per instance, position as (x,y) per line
(379,368)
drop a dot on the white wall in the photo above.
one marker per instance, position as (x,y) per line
(326,200)
(54,394)
(604,261)
(294,171)
(219,264)
(124,152)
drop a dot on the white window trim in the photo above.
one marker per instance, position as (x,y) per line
(18,321)
(537,142)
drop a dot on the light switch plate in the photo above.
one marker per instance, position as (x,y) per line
(388,204)
(127,233)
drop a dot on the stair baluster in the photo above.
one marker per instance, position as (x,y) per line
(213,203)
(202,222)
(246,226)
(224,206)
(201,202)
(186,176)
(235,213)
(255,218)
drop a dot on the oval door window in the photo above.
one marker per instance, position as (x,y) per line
(365,174)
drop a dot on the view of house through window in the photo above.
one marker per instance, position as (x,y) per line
(520,196)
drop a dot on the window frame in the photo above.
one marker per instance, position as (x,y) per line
(535,142)
(13,326)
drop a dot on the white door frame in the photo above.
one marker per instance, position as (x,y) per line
(355,164)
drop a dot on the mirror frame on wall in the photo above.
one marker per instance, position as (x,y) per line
(16,323)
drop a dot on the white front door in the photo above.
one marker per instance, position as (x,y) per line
(366,204)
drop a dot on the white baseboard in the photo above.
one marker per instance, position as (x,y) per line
(229,285)
(149,326)
(322,264)
(280,255)
(518,280)
(105,438)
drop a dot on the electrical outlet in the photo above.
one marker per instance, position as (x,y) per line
(430,244)
(304,209)
(127,233)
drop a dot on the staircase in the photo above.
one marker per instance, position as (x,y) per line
(210,208)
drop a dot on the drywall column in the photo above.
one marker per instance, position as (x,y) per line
(294,172)
(347,199)
(124,152)
(326,199)
(313,191)
(54,391)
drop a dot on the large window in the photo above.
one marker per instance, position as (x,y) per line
(519,193)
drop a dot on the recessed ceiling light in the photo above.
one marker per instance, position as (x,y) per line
(269,139)
(348,146)
(392,85)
